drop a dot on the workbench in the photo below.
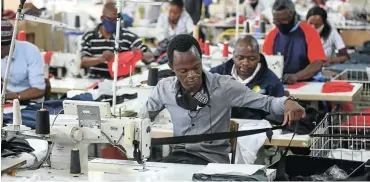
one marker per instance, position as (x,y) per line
(66,84)
(278,139)
(157,172)
(313,92)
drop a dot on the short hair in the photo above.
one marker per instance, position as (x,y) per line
(183,43)
(109,6)
(249,40)
(179,3)
(282,5)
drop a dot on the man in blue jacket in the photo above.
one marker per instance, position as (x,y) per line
(249,67)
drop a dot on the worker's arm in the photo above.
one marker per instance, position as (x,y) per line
(36,78)
(31,93)
(91,61)
(311,70)
(154,105)
(341,47)
(241,96)
(86,56)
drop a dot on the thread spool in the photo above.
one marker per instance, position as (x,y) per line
(263,27)
(246,28)
(77,21)
(75,164)
(207,51)
(153,76)
(42,122)
(225,50)
(17,117)
(22,36)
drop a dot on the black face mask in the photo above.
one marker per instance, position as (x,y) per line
(285,28)
(192,102)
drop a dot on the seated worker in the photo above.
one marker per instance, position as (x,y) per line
(254,8)
(200,102)
(26,77)
(249,67)
(297,41)
(98,45)
(330,38)
(176,21)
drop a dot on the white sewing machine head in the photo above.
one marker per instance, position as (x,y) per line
(89,126)
(276,64)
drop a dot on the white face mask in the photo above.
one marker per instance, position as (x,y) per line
(320,29)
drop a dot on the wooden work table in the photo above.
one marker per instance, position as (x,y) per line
(313,92)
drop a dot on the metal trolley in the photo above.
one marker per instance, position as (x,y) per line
(357,76)
(342,136)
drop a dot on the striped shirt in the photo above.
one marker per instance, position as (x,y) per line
(94,44)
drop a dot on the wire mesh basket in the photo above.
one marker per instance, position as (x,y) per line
(342,136)
(357,76)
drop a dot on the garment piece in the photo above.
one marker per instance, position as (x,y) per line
(126,63)
(15,146)
(26,69)
(332,87)
(194,8)
(300,47)
(184,158)
(248,146)
(264,82)
(94,44)
(215,117)
(184,25)
(260,175)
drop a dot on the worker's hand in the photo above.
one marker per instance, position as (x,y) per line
(148,57)
(293,112)
(108,55)
(290,78)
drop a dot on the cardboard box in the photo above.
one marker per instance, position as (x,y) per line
(40,34)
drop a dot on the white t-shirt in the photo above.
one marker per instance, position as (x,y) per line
(332,43)
(184,25)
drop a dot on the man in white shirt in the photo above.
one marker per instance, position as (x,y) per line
(176,21)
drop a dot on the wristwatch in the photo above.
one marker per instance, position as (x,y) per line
(292,98)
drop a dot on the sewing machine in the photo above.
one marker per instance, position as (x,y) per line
(69,132)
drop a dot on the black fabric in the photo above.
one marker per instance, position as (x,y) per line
(165,74)
(306,125)
(194,8)
(184,158)
(119,99)
(15,146)
(212,136)
(260,175)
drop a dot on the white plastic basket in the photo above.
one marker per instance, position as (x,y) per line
(342,136)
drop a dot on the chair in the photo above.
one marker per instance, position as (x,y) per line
(234,126)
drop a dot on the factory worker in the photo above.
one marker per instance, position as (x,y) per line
(297,41)
(175,21)
(249,67)
(98,45)
(26,78)
(330,38)
(200,102)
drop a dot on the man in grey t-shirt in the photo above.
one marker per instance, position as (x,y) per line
(200,102)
